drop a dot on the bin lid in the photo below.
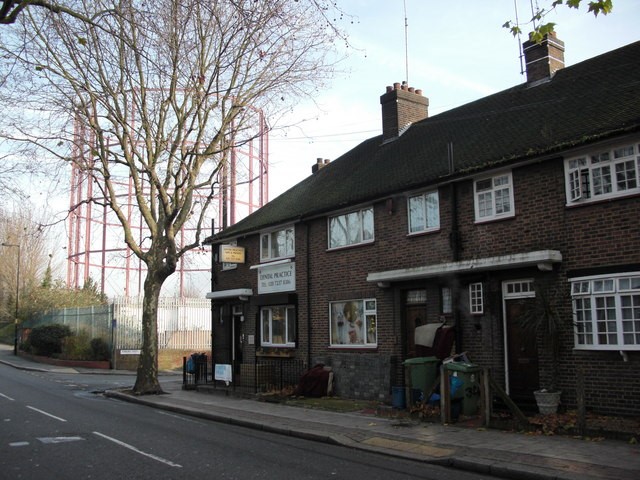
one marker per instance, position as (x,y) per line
(462,367)
(420,360)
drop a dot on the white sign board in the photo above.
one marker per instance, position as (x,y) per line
(223,372)
(277,278)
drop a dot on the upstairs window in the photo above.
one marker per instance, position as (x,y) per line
(351,228)
(494,197)
(608,173)
(424,213)
(606,312)
(277,244)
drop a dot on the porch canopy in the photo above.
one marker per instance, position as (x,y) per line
(241,293)
(543,259)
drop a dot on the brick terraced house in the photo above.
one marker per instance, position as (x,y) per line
(457,218)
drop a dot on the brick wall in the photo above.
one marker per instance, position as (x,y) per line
(590,236)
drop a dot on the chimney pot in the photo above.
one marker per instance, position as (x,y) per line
(320,163)
(396,86)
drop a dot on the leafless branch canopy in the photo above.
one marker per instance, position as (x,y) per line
(158,94)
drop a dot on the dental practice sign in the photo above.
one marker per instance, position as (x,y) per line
(277,278)
(231,254)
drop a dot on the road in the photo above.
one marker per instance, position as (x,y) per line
(55,426)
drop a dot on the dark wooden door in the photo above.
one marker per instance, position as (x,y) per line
(416,315)
(237,344)
(522,355)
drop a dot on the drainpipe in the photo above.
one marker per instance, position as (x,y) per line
(308,298)
(454,240)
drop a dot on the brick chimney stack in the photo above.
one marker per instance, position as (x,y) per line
(543,59)
(401,106)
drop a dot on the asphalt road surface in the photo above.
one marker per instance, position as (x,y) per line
(57,426)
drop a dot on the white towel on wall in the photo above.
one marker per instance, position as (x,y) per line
(425,334)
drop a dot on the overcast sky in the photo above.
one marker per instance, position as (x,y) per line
(457,52)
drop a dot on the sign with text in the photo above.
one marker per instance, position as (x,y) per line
(231,254)
(223,372)
(277,278)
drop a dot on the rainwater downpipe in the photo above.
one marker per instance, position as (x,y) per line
(308,269)
(455,248)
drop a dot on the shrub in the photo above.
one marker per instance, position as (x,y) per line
(100,349)
(47,339)
(76,347)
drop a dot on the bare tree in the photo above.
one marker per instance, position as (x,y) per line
(157,96)
(10,9)
(24,255)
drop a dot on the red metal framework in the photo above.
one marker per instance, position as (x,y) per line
(96,246)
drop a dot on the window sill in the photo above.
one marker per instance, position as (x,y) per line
(276,352)
(423,232)
(494,219)
(353,245)
(607,348)
(597,200)
(354,347)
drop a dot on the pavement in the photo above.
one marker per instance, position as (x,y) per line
(485,451)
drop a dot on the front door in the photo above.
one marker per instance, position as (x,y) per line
(416,315)
(238,338)
(522,353)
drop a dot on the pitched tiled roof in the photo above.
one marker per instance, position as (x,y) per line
(592,100)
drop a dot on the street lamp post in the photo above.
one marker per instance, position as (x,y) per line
(15,334)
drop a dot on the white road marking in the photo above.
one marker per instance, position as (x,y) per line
(131,447)
(59,439)
(19,444)
(8,398)
(45,413)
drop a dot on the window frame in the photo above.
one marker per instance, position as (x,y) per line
(599,305)
(289,339)
(476,298)
(361,227)
(368,309)
(424,197)
(269,236)
(603,174)
(492,192)
(446,300)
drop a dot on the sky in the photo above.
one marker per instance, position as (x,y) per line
(456,51)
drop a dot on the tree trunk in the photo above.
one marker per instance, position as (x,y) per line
(147,374)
